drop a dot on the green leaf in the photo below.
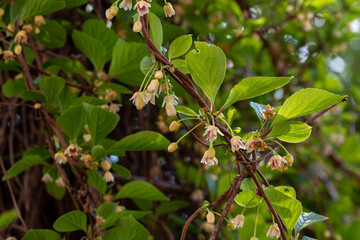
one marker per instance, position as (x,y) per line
(23,164)
(91,47)
(171,206)
(98,152)
(100,121)
(31,8)
(141,190)
(307,219)
(259,108)
(308,238)
(156,31)
(243,199)
(117,88)
(97,29)
(52,34)
(181,65)
(207,66)
(230,115)
(112,219)
(306,101)
(32,96)
(41,234)
(13,87)
(288,208)
(75,3)
(106,209)
(52,87)
(127,229)
(71,221)
(180,46)
(289,191)
(72,122)
(54,190)
(292,132)
(254,86)
(122,171)
(186,111)
(141,141)
(70,66)
(96,180)
(6,218)
(145,64)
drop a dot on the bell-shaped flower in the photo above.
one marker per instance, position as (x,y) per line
(207,160)
(46,178)
(238,221)
(39,20)
(60,158)
(277,162)
(210,217)
(142,7)
(273,231)
(153,86)
(60,182)
(137,26)
(8,56)
(109,177)
(174,126)
(255,143)
(72,150)
(237,144)
(126,4)
(169,10)
(211,133)
(21,37)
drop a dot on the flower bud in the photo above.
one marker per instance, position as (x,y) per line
(254,238)
(137,26)
(108,14)
(159,74)
(27,28)
(172,147)
(37,105)
(17,49)
(87,137)
(60,158)
(289,158)
(105,165)
(169,10)
(211,153)
(120,208)
(140,104)
(153,86)
(231,226)
(114,10)
(210,217)
(109,177)
(172,69)
(37,30)
(174,126)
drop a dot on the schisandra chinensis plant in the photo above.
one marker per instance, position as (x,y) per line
(84,142)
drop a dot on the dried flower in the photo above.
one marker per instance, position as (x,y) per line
(210,217)
(174,126)
(110,95)
(159,74)
(105,165)
(109,177)
(108,197)
(142,7)
(137,26)
(8,56)
(27,28)
(211,133)
(269,113)
(172,147)
(89,161)
(153,86)
(290,160)
(60,158)
(21,37)
(99,221)
(72,150)
(60,182)
(207,160)
(237,144)
(273,231)
(277,162)
(238,221)
(17,49)
(126,4)
(169,10)
(39,20)
(255,143)
(46,178)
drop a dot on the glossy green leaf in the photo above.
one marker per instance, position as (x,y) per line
(141,190)
(181,65)
(186,111)
(72,122)
(122,171)
(6,218)
(180,46)
(141,141)
(106,209)
(31,8)
(231,115)
(32,95)
(307,219)
(55,191)
(306,101)
(156,31)
(127,228)
(125,62)
(145,64)
(23,164)
(71,221)
(91,47)
(259,108)
(100,121)
(169,207)
(308,238)
(112,219)
(13,87)
(41,234)
(52,87)
(96,180)
(292,132)
(98,152)
(254,86)
(52,34)
(287,191)
(207,65)
(288,208)
(247,198)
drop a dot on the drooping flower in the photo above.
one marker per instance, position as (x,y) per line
(197,195)
(142,7)
(211,133)
(87,137)
(114,107)
(273,231)
(105,165)
(27,28)
(120,208)
(207,160)
(153,86)
(109,177)
(169,10)
(170,110)
(46,178)
(137,100)
(108,14)
(114,10)
(255,143)
(174,126)
(149,97)
(89,161)
(8,56)
(159,74)
(39,20)
(21,37)
(110,95)
(99,220)
(72,150)
(126,4)
(60,158)
(269,113)
(169,102)
(17,49)
(238,221)
(277,162)
(172,147)
(137,26)
(210,217)
(60,182)
(237,144)
(290,160)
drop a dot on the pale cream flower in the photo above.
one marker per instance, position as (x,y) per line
(60,182)
(8,56)
(273,231)
(210,217)
(207,160)
(170,110)
(211,133)
(114,10)
(108,14)
(46,178)
(126,4)
(153,86)
(109,177)
(174,126)
(60,158)
(39,20)
(17,49)
(72,150)
(137,100)
(87,137)
(169,10)
(105,165)
(111,95)
(238,221)
(172,147)
(277,162)
(255,143)
(137,26)
(142,7)
(197,195)
(120,208)
(21,37)
(237,144)
(27,28)
(114,108)
(159,74)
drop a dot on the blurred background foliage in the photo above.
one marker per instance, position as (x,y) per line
(316,41)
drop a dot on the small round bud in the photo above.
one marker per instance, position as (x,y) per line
(211,153)
(140,104)
(172,147)
(153,86)
(108,14)
(231,226)
(137,26)
(17,49)
(105,165)
(290,160)
(109,177)
(37,105)
(210,217)
(114,10)
(172,69)
(159,75)
(174,126)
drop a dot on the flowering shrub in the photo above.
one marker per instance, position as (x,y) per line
(108,179)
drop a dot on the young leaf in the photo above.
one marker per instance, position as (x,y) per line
(96,180)
(100,121)
(292,132)
(288,208)
(52,34)
(71,221)
(122,171)
(307,219)
(127,228)
(186,111)
(287,191)
(41,234)
(180,46)
(207,66)
(254,86)
(306,101)
(141,190)
(72,122)
(6,218)
(145,64)
(156,31)
(231,115)
(23,164)
(141,141)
